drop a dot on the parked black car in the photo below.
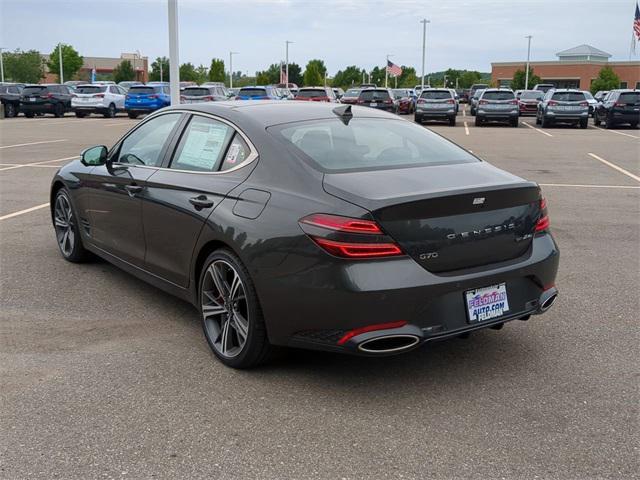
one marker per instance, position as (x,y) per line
(380,98)
(619,107)
(436,104)
(563,105)
(497,105)
(10,97)
(312,225)
(47,98)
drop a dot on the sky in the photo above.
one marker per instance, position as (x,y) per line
(465,34)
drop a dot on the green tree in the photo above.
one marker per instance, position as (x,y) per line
(295,74)
(154,75)
(468,78)
(407,78)
(314,73)
(23,67)
(188,73)
(216,71)
(348,77)
(71,61)
(202,73)
(518,82)
(606,80)
(123,72)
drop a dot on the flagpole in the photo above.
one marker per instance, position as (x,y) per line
(386,72)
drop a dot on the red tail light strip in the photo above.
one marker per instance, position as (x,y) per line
(543,221)
(370,328)
(358,250)
(342,224)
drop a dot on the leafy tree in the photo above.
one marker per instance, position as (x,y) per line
(216,71)
(202,73)
(348,77)
(519,79)
(23,67)
(123,72)
(295,74)
(606,80)
(188,73)
(154,75)
(71,61)
(262,78)
(314,73)
(468,78)
(407,78)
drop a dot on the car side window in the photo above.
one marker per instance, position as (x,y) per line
(237,153)
(145,145)
(202,145)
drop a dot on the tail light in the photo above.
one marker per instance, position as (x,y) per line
(584,104)
(208,98)
(513,102)
(421,100)
(543,221)
(388,101)
(370,328)
(360,100)
(99,95)
(347,237)
(451,100)
(618,104)
(151,97)
(483,102)
(48,95)
(552,103)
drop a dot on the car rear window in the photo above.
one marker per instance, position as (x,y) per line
(90,89)
(532,95)
(498,96)
(436,95)
(311,93)
(368,144)
(144,90)
(569,96)
(33,90)
(630,97)
(352,93)
(368,95)
(195,92)
(252,92)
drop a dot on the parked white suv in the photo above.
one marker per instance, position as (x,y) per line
(96,98)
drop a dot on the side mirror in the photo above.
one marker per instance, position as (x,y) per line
(94,156)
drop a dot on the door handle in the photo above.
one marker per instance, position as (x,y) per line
(201,201)
(133,189)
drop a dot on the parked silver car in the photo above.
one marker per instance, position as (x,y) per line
(91,98)
(497,105)
(563,105)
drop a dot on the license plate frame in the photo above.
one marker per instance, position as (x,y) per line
(487,303)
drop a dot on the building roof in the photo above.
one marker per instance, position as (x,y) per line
(583,49)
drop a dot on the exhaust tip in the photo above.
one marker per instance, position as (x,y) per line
(548,302)
(389,344)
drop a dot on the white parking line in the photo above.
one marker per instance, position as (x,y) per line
(619,133)
(615,167)
(22,212)
(587,186)
(33,143)
(464,112)
(537,129)
(466,128)
(22,165)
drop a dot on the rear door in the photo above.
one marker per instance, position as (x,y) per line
(180,197)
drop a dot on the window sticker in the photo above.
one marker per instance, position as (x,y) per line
(203,145)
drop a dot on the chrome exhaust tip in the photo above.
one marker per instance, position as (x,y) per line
(389,344)
(547,299)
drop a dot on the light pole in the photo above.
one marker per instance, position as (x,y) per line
(174,70)
(286,43)
(231,54)
(526,72)
(424,22)
(60,61)
(386,71)
(1,66)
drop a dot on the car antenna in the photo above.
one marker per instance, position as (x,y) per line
(344,113)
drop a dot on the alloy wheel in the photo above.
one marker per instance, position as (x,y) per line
(64,225)
(225,309)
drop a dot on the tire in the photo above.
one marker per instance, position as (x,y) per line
(132,115)
(10,110)
(29,114)
(232,316)
(479,121)
(634,125)
(584,123)
(67,229)
(608,124)
(473,112)
(452,121)
(514,122)
(58,110)
(538,122)
(545,123)
(596,119)
(417,119)
(111,111)
(81,114)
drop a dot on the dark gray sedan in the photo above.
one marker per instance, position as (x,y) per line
(310,225)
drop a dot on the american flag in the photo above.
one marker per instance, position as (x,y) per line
(393,69)
(636,23)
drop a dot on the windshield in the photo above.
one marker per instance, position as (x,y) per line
(498,96)
(569,96)
(311,93)
(535,95)
(352,93)
(436,94)
(90,89)
(253,92)
(369,144)
(33,90)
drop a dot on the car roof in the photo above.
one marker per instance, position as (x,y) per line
(268,113)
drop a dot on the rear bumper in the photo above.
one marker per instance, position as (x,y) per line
(436,114)
(328,300)
(497,115)
(567,116)
(623,117)
(142,108)
(37,108)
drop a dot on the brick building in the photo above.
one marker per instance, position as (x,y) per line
(104,68)
(575,68)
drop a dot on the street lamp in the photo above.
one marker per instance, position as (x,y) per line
(386,71)
(174,62)
(1,65)
(231,54)
(287,42)
(424,22)
(60,61)
(526,74)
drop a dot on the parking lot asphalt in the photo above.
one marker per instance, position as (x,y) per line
(103,376)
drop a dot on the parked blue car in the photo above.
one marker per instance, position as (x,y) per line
(258,93)
(146,99)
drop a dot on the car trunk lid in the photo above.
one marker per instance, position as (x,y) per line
(447,217)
